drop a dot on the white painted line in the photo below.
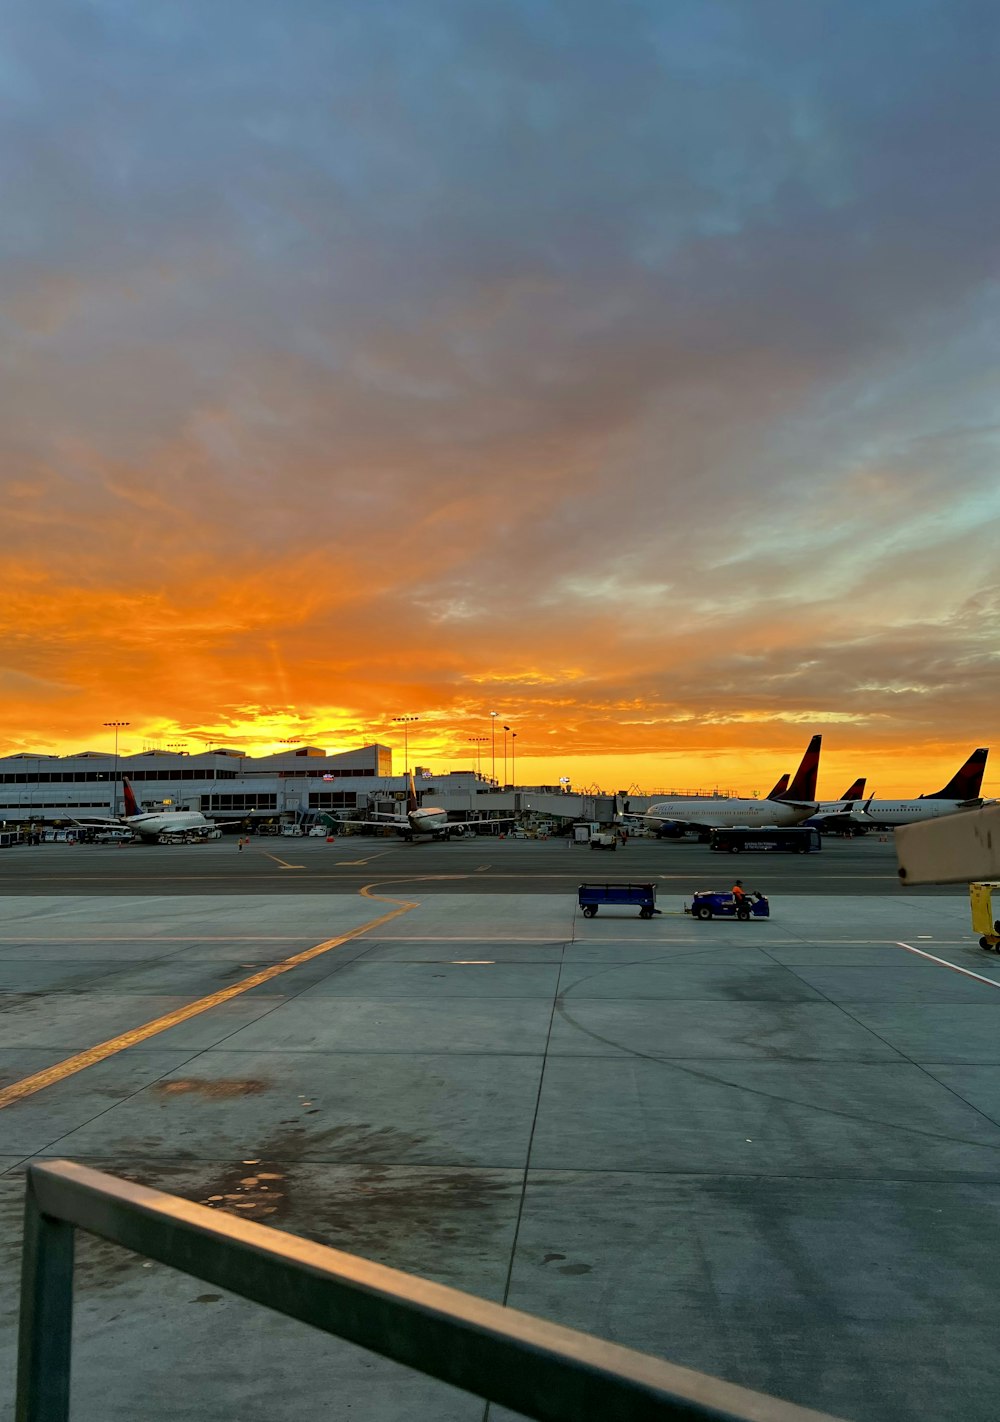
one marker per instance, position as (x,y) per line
(966,972)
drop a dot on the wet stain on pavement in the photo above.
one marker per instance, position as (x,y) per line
(219,1087)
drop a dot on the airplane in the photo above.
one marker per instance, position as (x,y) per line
(835,815)
(675,817)
(153,826)
(418,819)
(779,788)
(961,793)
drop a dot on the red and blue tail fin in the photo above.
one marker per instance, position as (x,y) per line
(132,806)
(856,791)
(803,786)
(778,790)
(966,783)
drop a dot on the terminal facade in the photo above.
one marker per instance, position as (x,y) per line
(292,787)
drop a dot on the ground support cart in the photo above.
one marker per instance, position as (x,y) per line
(719,903)
(592,896)
(984,900)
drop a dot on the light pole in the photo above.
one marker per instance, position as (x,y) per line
(493,745)
(405,722)
(114,782)
(477,741)
(513,773)
(505,730)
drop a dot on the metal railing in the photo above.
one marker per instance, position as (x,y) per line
(539,1369)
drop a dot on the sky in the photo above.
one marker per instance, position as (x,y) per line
(629,369)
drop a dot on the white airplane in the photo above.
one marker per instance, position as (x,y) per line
(796,804)
(418,819)
(961,793)
(154,826)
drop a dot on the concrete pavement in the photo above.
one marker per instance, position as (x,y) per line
(770,1151)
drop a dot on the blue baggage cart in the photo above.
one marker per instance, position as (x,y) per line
(592,896)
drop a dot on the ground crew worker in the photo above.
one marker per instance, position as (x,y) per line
(739,896)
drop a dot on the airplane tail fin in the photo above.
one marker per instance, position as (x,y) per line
(132,806)
(778,790)
(411,793)
(856,791)
(803,786)
(966,783)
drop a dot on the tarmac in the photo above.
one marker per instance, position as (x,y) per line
(769,1151)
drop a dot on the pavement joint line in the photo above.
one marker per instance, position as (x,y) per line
(38,1081)
(966,972)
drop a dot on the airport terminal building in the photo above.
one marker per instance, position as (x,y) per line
(230,787)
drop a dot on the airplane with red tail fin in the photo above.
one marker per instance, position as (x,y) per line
(791,807)
(962,792)
(418,819)
(154,826)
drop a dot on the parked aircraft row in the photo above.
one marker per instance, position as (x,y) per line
(791,803)
(788,803)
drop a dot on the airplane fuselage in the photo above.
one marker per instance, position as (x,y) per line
(151,826)
(725,813)
(907,812)
(427,821)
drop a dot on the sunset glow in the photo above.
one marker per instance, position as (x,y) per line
(627,370)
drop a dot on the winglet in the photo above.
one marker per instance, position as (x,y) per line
(779,789)
(803,786)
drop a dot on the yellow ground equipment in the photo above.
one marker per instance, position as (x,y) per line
(984,900)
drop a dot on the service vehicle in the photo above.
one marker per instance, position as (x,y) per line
(719,903)
(592,896)
(794,840)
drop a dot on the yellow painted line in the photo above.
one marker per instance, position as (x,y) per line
(381,855)
(282,862)
(28,1085)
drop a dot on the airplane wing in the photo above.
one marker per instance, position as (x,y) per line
(95,822)
(832,811)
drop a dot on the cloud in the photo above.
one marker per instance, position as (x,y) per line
(582,355)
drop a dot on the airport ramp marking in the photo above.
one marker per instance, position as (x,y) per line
(282,862)
(28,1085)
(966,972)
(380,855)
